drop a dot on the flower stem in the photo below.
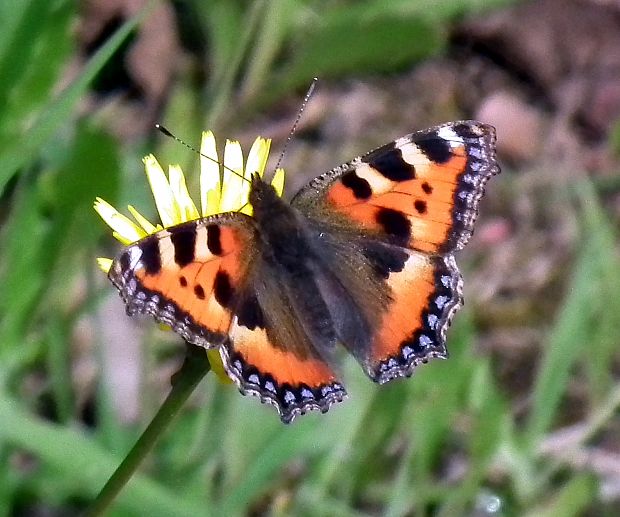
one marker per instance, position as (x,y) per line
(195,367)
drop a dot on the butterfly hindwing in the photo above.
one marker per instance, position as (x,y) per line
(390,305)
(420,191)
(425,295)
(272,356)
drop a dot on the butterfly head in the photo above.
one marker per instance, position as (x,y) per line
(262,195)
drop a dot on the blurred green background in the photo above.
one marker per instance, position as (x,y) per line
(522,420)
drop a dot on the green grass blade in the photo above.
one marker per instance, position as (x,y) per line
(583,310)
(19,152)
(78,458)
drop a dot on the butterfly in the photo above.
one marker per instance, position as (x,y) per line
(362,257)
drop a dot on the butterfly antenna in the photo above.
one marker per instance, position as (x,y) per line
(243,206)
(296,123)
(192,148)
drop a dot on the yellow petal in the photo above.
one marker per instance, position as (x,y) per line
(232,185)
(210,175)
(149,227)
(164,198)
(104,264)
(247,209)
(278,182)
(257,159)
(124,228)
(123,240)
(256,162)
(213,202)
(185,204)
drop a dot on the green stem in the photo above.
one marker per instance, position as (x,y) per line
(195,367)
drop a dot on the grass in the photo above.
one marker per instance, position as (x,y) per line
(444,443)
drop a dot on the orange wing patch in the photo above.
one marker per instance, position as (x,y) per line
(414,217)
(187,276)
(277,375)
(419,192)
(425,296)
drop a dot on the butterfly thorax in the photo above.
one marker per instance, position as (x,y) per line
(288,252)
(280,226)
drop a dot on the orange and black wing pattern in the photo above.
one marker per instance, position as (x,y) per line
(206,281)
(408,206)
(394,305)
(420,192)
(188,276)
(292,378)
(425,293)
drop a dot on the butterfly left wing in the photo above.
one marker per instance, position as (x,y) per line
(206,280)
(405,207)
(188,276)
(271,355)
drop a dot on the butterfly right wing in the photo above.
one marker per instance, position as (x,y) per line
(207,281)
(394,217)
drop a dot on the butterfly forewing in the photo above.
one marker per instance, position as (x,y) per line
(420,191)
(188,276)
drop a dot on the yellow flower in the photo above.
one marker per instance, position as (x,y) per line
(223,188)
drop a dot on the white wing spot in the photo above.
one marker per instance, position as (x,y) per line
(447,133)
(425,341)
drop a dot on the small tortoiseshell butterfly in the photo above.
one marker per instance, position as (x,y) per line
(362,256)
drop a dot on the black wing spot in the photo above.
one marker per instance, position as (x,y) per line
(182,281)
(385,259)
(420,206)
(151,258)
(223,289)
(395,223)
(199,292)
(214,242)
(435,148)
(427,188)
(184,243)
(467,130)
(250,314)
(359,186)
(390,163)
